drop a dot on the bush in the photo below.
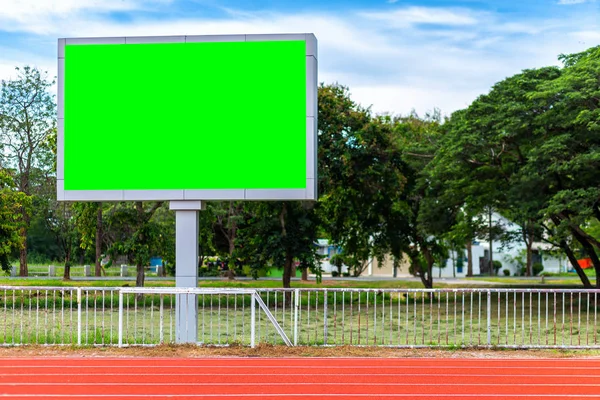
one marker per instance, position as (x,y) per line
(497,266)
(208,272)
(537,268)
(334,273)
(506,272)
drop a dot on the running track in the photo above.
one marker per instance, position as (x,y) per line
(298,378)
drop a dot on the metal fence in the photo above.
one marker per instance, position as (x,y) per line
(505,318)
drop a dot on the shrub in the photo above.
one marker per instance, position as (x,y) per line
(334,273)
(497,266)
(537,268)
(506,272)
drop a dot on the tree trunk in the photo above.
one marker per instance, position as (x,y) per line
(429,280)
(305,274)
(230,273)
(529,267)
(99,240)
(289,259)
(139,278)
(491,236)
(427,277)
(67,272)
(287,270)
(573,260)
(453,263)
(571,256)
(23,271)
(469,258)
(591,252)
(231,262)
(528,236)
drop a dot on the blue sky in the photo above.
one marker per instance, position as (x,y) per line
(395,55)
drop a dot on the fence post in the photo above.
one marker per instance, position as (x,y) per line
(120,328)
(489,318)
(296,308)
(162,316)
(78,316)
(325,317)
(253,320)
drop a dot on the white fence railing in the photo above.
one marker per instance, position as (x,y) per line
(507,318)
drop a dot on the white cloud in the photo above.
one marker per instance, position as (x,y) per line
(570,2)
(408,16)
(587,36)
(395,70)
(42,16)
(386,98)
(18,58)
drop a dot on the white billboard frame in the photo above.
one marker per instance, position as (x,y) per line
(307,193)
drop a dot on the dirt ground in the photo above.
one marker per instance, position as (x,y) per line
(282,351)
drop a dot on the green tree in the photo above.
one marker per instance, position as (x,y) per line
(529,149)
(133,232)
(228,216)
(11,204)
(570,156)
(360,176)
(279,234)
(61,223)
(418,140)
(89,218)
(27,117)
(164,245)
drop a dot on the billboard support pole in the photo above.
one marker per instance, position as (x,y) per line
(186,267)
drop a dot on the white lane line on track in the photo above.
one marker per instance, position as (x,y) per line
(279,395)
(399,384)
(226,358)
(336,367)
(138,374)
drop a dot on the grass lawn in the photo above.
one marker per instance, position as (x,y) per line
(390,284)
(535,282)
(506,282)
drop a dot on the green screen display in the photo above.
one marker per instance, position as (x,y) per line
(215,115)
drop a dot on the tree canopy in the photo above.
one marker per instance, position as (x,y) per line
(411,187)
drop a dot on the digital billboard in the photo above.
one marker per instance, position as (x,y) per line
(230,117)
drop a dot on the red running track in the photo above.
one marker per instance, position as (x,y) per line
(298,378)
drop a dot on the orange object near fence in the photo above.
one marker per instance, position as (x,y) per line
(585,263)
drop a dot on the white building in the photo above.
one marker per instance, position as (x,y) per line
(506,253)
(327,251)
(509,254)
